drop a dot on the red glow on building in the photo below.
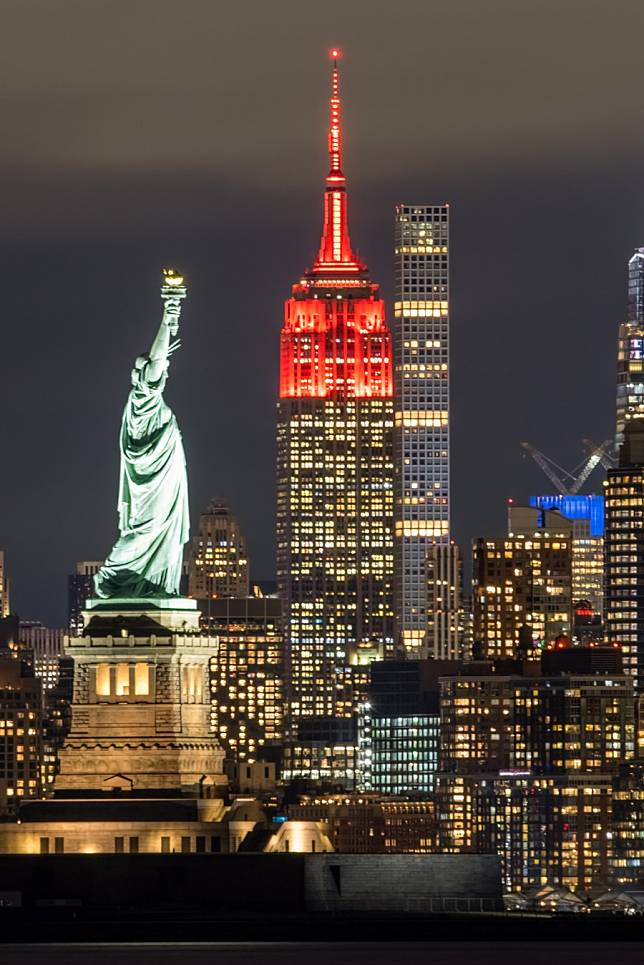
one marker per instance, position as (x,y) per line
(335,343)
(335,347)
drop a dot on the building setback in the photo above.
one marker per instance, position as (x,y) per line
(335,466)
(421,433)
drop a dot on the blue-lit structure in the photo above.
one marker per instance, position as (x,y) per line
(575,507)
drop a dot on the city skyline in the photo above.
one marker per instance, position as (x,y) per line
(105,273)
(365,659)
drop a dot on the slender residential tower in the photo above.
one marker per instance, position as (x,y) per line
(630,350)
(421,434)
(335,482)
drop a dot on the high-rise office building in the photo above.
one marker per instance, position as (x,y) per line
(247,676)
(446,613)
(218,561)
(80,587)
(628,823)
(624,549)
(630,349)
(522,583)
(586,514)
(399,726)
(4,588)
(421,433)
(528,755)
(42,648)
(335,465)
(21,726)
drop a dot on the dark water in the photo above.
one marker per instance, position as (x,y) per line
(358,953)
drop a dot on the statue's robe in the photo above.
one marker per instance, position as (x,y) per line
(153,499)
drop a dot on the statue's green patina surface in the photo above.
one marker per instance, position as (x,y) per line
(154,523)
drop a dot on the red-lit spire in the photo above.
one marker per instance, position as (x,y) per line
(335,248)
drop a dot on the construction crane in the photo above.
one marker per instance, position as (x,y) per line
(607,451)
(569,483)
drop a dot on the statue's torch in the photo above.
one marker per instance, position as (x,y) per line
(173,291)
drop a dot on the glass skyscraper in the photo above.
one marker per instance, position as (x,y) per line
(630,351)
(421,422)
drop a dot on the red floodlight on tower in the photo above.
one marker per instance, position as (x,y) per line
(335,342)
(335,248)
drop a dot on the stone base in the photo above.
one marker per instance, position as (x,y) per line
(186,766)
(175,613)
(141,705)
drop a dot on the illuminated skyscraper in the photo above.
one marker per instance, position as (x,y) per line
(4,588)
(587,516)
(21,746)
(335,463)
(42,648)
(218,562)
(421,435)
(247,676)
(630,350)
(527,758)
(624,547)
(522,583)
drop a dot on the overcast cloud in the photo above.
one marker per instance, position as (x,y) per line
(137,133)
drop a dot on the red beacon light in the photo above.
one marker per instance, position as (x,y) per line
(334,53)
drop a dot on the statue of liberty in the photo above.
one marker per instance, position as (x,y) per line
(153,489)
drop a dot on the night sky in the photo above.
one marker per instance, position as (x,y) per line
(145,133)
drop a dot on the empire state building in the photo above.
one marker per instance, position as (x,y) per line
(335,484)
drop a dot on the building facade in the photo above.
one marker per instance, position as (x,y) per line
(628,824)
(80,587)
(22,771)
(586,514)
(43,648)
(371,823)
(630,349)
(335,465)
(247,676)
(218,560)
(421,433)
(446,610)
(522,583)
(624,548)
(528,760)
(552,830)
(399,726)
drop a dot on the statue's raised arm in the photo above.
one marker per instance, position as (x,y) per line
(172,293)
(153,491)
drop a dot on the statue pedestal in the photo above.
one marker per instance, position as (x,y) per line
(141,705)
(178,612)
